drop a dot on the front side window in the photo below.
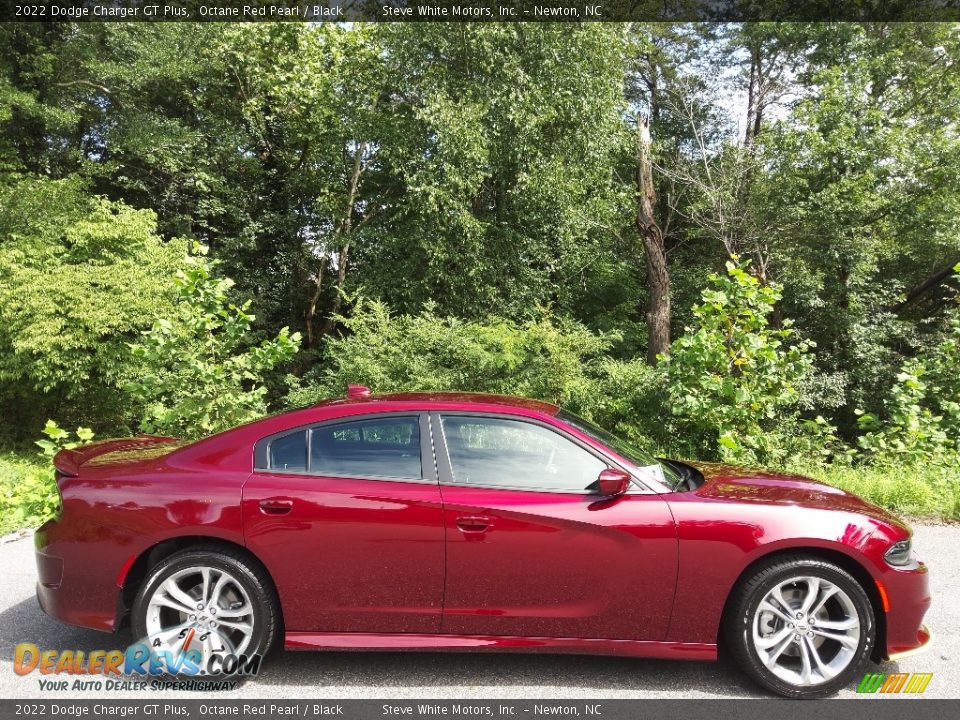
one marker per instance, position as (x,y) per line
(379,447)
(515,454)
(648,465)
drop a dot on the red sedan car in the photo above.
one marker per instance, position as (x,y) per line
(474,522)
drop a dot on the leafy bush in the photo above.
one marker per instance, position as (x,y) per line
(922,418)
(546,358)
(732,381)
(28,493)
(628,400)
(911,431)
(79,277)
(200,372)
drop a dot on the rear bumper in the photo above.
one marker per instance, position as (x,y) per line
(74,584)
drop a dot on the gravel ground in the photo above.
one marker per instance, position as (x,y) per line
(347,675)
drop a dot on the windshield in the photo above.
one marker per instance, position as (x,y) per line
(647,464)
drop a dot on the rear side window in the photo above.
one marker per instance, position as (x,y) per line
(381,447)
(289,452)
(386,446)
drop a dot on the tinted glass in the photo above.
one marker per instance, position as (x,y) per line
(289,452)
(385,447)
(626,449)
(509,453)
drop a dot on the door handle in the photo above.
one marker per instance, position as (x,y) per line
(276,506)
(473,523)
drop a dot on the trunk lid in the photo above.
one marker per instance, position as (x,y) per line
(118,451)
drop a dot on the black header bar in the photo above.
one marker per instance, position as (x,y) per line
(477,10)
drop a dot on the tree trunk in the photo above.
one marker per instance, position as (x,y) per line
(658,276)
(341,236)
(753,94)
(918,291)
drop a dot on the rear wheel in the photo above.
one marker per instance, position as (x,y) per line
(210,603)
(801,627)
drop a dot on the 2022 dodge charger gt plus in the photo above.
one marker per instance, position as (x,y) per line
(452,521)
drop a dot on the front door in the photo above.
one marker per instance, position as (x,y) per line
(530,552)
(348,516)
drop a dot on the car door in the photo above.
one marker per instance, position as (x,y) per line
(348,517)
(531,552)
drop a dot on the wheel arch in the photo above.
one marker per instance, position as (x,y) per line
(141,565)
(839,558)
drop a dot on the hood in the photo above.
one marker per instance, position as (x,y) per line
(747,485)
(120,451)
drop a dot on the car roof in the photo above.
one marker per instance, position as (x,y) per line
(448,398)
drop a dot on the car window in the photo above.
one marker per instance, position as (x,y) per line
(289,452)
(511,453)
(384,447)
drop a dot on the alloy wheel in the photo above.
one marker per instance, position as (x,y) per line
(806,631)
(200,608)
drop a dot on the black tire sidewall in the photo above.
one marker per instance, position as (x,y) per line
(747,655)
(261,599)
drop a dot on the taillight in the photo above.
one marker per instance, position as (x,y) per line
(57,478)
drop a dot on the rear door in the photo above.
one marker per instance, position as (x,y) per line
(348,517)
(530,551)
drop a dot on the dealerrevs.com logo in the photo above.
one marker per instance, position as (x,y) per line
(914,683)
(139,667)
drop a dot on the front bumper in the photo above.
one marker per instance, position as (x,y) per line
(908,593)
(925,640)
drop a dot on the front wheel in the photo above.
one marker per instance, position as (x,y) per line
(801,627)
(212,608)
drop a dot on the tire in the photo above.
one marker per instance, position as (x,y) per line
(240,615)
(764,641)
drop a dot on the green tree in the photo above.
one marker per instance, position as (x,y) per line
(200,372)
(80,276)
(496,164)
(860,189)
(922,412)
(733,381)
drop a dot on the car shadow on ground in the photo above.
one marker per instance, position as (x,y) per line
(566,675)
(25,622)
(447,673)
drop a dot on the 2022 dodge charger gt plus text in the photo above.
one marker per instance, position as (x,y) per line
(474,522)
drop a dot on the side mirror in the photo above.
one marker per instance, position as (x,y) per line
(612,482)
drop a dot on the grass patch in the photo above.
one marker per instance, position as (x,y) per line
(919,491)
(28,495)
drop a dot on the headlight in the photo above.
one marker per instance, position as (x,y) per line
(899,553)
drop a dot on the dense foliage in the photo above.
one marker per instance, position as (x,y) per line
(734,384)
(523,208)
(196,377)
(543,358)
(28,493)
(79,277)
